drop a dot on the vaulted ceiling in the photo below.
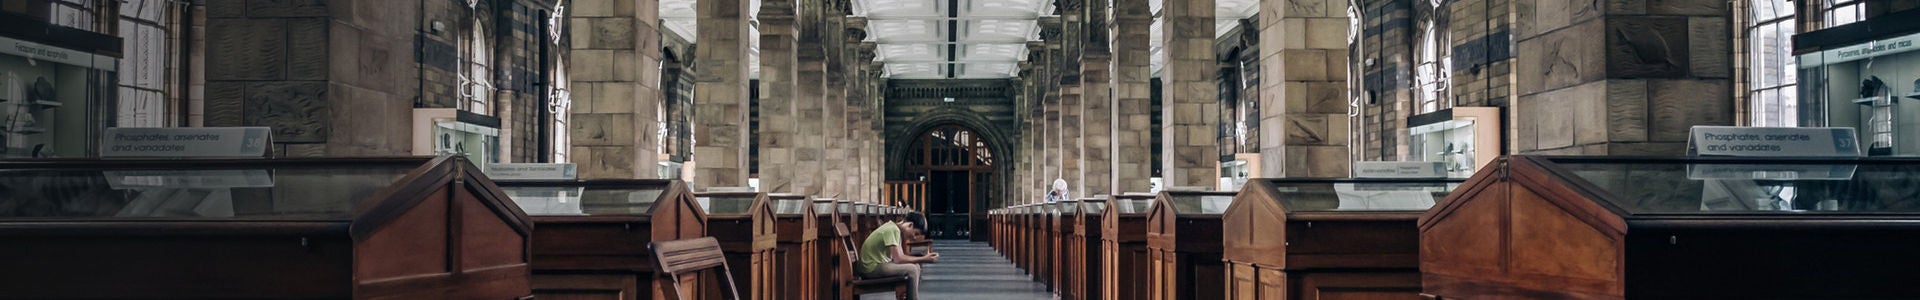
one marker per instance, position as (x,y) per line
(962,39)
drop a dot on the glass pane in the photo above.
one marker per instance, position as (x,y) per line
(545,201)
(1676,188)
(1205,204)
(213,193)
(790,206)
(1132,205)
(822,208)
(1096,208)
(1361,196)
(727,205)
(607,201)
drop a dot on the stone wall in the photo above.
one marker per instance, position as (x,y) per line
(337,78)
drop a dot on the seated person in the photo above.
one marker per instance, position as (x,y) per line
(884,254)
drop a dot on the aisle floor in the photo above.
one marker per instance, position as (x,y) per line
(973,271)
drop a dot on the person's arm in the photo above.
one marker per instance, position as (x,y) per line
(899,255)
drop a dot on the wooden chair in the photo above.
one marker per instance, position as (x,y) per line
(689,257)
(852,286)
(920,243)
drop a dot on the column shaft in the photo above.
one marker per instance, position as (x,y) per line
(720,95)
(611,128)
(1132,93)
(778,139)
(1304,88)
(1189,150)
(1096,143)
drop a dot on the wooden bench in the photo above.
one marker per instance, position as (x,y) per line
(689,257)
(852,286)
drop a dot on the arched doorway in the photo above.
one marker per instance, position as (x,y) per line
(956,164)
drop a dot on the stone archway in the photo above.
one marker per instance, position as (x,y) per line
(904,141)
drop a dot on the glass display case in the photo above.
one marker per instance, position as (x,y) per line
(743,222)
(591,232)
(1861,75)
(56,100)
(1184,234)
(797,231)
(1680,228)
(1461,138)
(1083,248)
(1123,246)
(1342,237)
(453,132)
(345,228)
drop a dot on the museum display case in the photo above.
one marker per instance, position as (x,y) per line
(1463,139)
(332,228)
(590,236)
(1677,228)
(795,225)
(827,214)
(1184,244)
(1327,238)
(1862,75)
(1058,230)
(1083,246)
(57,98)
(1123,247)
(743,222)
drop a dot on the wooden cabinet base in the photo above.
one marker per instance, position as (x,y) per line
(586,286)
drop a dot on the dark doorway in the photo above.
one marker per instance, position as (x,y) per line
(947,204)
(957,169)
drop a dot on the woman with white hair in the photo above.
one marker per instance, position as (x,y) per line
(1059,191)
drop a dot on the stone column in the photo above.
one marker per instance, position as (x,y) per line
(778,138)
(1189,150)
(1133,98)
(835,128)
(1620,78)
(1303,58)
(1072,28)
(1096,142)
(1028,110)
(615,67)
(856,85)
(1036,120)
(1055,134)
(720,95)
(810,147)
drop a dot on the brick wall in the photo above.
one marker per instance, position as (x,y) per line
(1384,60)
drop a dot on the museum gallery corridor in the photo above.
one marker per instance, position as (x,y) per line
(971,270)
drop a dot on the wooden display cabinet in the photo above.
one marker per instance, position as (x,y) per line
(1047,250)
(335,228)
(1058,230)
(827,214)
(743,223)
(1184,245)
(1677,228)
(1308,239)
(1016,225)
(590,236)
(1083,246)
(796,226)
(1123,247)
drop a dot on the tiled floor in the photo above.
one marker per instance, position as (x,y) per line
(973,271)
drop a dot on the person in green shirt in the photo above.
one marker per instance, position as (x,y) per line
(883,254)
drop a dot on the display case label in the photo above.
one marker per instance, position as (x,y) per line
(1399,169)
(524,171)
(1773,141)
(248,142)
